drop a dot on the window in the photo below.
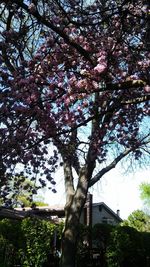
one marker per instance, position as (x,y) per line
(104,220)
(100,208)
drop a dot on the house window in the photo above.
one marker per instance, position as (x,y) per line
(104,220)
(100,208)
(110,221)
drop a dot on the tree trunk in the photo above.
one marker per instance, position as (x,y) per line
(75,200)
(70,238)
(71,231)
(68,258)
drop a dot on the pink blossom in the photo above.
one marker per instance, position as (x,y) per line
(100,67)
(83,71)
(124,74)
(67,101)
(72,80)
(37,56)
(95,85)
(102,53)
(85,104)
(31,79)
(118,53)
(79,108)
(101,59)
(147,88)
(23,82)
(102,62)
(73,63)
(82,83)
(134,76)
(86,46)
(60,84)
(80,38)
(73,30)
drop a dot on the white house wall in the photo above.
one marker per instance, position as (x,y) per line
(100,215)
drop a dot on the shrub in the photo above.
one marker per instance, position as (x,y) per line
(125,248)
(28,242)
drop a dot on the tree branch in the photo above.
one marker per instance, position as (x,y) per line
(136,100)
(68,177)
(91,155)
(125,85)
(112,165)
(57,30)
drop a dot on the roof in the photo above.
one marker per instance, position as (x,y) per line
(47,212)
(51,210)
(52,215)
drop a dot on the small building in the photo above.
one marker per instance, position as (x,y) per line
(94,213)
(101,213)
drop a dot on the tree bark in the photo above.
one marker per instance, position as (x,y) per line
(69,243)
(71,230)
(75,200)
(73,209)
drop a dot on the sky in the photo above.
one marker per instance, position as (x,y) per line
(117,190)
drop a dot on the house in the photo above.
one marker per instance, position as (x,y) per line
(103,214)
(94,213)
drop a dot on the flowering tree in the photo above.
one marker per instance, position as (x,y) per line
(74,91)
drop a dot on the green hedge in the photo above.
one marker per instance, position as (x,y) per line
(28,243)
(122,246)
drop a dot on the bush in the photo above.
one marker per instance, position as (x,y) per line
(28,243)
(11,238)
(38,236)
(125,248)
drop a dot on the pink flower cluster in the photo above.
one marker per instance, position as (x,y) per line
(102,62)
(147,88)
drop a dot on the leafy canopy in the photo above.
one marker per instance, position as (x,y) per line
(138,220)
(145,196)
(145,192)
(75,82)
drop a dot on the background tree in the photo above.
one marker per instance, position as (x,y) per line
(145,195)
(17,192)
(74,92)
(20,192)
(138,220)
